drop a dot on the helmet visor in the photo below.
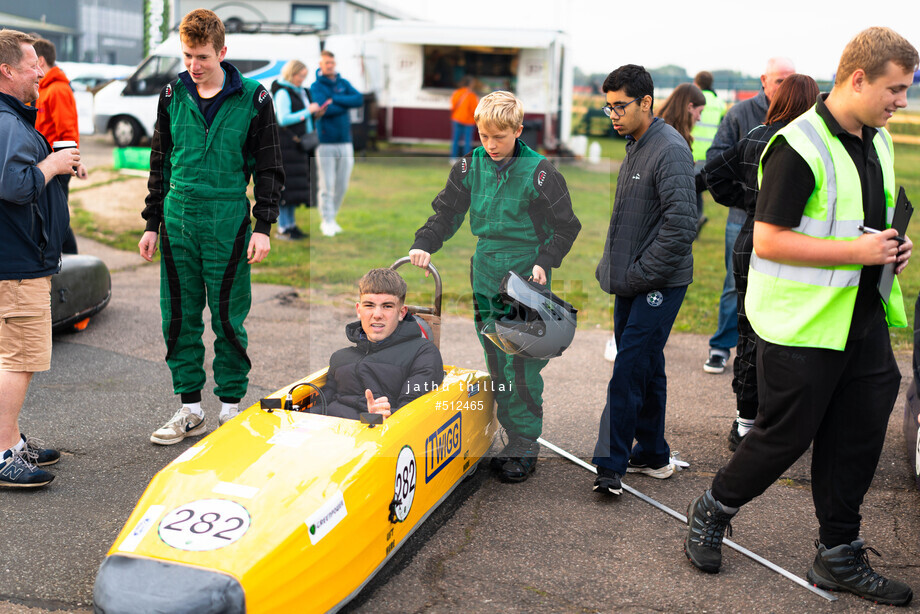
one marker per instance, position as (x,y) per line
(488,331)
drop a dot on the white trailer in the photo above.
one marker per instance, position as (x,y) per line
(127,108)
(413,67)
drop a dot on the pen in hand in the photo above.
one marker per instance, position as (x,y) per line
(875,231)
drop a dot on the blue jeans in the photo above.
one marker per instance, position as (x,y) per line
(461,131)
(726,336)
(638,390)
(286,216)
(334,163)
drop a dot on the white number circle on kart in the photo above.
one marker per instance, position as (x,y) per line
(205,524)
(404,487)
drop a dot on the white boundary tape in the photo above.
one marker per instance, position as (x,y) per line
(683,519)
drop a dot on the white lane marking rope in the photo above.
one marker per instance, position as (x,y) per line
(683,519)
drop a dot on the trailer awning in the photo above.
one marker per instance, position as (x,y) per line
(426,33)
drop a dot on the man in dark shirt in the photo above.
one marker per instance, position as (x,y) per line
(826,371)
(33,219)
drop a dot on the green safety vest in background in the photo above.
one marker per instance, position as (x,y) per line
(811,306)
(705,129)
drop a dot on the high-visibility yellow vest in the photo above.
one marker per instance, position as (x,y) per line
(812,306)
(705,129)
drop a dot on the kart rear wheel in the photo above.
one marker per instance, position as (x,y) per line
(126,131)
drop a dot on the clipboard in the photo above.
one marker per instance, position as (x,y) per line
(903,211)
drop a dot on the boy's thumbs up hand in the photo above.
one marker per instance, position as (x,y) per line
(377,406)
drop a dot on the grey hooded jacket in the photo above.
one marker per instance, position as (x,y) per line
(650,238)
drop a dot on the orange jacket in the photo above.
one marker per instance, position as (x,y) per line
(57,108)
(463,106)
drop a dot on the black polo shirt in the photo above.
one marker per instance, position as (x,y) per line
(788,183)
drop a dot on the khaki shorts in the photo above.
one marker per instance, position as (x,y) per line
(25,324)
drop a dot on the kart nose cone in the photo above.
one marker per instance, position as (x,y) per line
(132,585)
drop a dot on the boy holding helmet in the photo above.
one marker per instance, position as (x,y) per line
(521,211)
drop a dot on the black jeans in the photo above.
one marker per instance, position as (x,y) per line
(841,401)
(70,241)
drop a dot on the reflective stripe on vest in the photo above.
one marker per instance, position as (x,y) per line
(705,129)
(809,305)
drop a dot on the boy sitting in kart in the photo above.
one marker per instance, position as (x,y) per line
(390,364)
(521,212)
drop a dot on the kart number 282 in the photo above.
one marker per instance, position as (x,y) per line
(205,524)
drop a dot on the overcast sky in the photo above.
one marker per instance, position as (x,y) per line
(698,35)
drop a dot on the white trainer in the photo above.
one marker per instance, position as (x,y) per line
(227,413)
(659,473)
(327,229)
(610,350)
(183,424)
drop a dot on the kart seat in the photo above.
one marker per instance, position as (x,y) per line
(429,324)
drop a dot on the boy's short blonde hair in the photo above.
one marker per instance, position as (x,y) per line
(501,110)
(383,281)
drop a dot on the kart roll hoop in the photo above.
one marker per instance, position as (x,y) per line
(430,315)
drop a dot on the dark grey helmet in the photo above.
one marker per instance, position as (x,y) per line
(539,325)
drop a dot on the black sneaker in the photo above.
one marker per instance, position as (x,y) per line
(707,520)
(296,233)
(521,459)
(17,472)
(846,568)
(608,482)
(734,437)
(497,461)
(37,454)
(716,363)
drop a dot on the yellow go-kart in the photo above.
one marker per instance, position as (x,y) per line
(283,510)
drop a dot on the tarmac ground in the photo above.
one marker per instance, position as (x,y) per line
(549,544)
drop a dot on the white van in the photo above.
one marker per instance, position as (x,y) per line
(128,107)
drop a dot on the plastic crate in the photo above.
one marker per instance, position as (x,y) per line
(137,158)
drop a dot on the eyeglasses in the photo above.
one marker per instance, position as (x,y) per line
(619,110)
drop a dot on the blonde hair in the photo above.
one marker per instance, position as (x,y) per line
(291,69)
(871,50)
(500,110)
(11,42)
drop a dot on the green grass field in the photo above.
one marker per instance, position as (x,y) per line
(390,197)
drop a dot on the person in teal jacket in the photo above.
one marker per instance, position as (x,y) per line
(214,130)
(521,211)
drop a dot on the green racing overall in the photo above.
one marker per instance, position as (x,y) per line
(200,169)
(522,214)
